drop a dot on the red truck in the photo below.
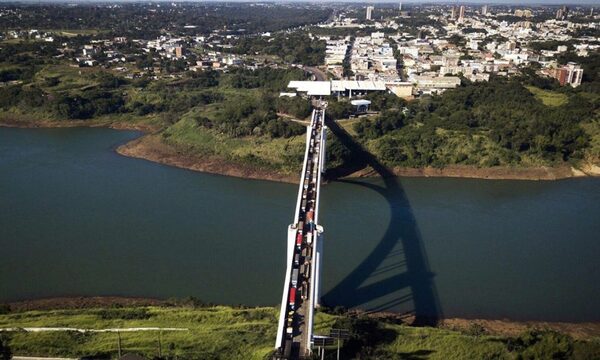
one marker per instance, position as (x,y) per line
(309,216)
(292,297)
(299,239)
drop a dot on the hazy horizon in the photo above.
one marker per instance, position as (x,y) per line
(482,2)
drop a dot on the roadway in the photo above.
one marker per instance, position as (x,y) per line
(319,74)
(300,292)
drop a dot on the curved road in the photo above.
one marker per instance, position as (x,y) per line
(318,73)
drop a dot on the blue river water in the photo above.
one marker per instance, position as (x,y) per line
(77,219)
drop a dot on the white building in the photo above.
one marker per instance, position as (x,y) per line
(370,12)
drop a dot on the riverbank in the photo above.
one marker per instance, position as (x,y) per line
(23,122)
(499,327)
(491,173)
(152,148)
(99,327)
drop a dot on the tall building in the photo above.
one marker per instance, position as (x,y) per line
(461,13)
(370,12)
(569,74)
(484,10)
(561,14)
(400,7)
(453,14)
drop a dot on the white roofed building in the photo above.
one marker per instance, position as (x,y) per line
(312,88)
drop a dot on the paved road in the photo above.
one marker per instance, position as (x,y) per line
(318,73)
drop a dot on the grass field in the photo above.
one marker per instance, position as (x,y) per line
(219,332)
(280,154)
(547,97)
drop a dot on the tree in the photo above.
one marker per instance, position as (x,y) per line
(338,109)
(5,352)
(543,344)
(295,106)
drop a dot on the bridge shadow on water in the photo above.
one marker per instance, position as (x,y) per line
(396,273)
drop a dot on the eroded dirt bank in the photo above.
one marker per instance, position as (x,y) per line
(150,147)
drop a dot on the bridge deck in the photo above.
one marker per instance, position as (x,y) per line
(300,291)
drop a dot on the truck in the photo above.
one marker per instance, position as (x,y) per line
(299,239)
(293,297)
(294,280)
(287,350)
(297,259)
(304,290)
(309,237)
(309,216)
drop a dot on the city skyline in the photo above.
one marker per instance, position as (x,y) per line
(371,2)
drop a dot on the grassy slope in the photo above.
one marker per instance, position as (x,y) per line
(218,332)
(547,97)
(74,80)
(477,149)
(592,128)
(456,147)
(279,154)
(235,333)
(282,155)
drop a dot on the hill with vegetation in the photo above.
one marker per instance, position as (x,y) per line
(504,122)
(151,20)
(237,119)
(198,331)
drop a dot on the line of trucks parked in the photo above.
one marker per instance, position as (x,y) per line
(305,233)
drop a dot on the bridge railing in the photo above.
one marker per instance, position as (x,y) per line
(315,156)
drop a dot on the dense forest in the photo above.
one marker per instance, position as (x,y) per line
(147,21)
(500,122)
(250,108)
(296,48)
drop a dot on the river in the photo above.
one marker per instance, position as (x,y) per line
(77,219)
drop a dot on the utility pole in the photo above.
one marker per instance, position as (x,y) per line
(339,334)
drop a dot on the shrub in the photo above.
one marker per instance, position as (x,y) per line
(124,314)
